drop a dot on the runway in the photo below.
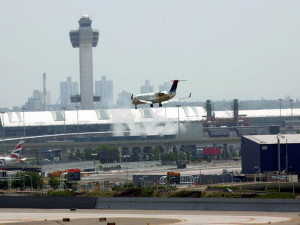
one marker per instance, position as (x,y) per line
(136,217)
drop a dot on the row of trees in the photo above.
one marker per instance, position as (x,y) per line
(107,154)
(23,181)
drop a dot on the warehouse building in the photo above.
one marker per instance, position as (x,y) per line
(271,154)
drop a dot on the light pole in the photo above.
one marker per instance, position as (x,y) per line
(286,156)
(151,155)
(126,156)
(258,171)
(64,108)
(280,110)
(23,108)
(77,120)
(30,180)
(178,122)
(291,124)
(278,152)
(222,178)
(170,180)
(2,113)
(291,100)
(143,181)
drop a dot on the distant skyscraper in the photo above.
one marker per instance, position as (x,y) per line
(165,86)
(104,88)
(124,100)
(67,88)
(34,103)
(85,38)
(147,87)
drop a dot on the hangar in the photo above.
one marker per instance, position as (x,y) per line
(270,153)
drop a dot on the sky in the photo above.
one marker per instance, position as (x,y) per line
(224,49)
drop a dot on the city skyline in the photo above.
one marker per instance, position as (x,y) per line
(226,50)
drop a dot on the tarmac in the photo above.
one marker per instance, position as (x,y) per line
(139,217)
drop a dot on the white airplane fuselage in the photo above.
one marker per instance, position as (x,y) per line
(8,160)
(155,97)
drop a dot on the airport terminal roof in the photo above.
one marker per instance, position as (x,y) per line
(273,139)
(111,116)
(102,116)
(259,113)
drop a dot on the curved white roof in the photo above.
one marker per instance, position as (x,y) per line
(103,116)
(110,116)
(259,113)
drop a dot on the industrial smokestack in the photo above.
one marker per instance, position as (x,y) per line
(44,92)
(235,108)
(208,106)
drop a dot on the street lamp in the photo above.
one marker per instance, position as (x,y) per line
(278,152)
(77,158)
(178,122)
(64,108)
(23,108)
(77,119)
(291,100)
(170,180)
(143,181)
(222,178)
(2,113)
(258,171)
(126,156)
(280,109)
(151,155)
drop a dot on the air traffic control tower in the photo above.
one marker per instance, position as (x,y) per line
(85,38)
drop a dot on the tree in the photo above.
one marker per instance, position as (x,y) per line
(54,182)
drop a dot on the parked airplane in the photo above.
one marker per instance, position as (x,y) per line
(14,156)
(160,97)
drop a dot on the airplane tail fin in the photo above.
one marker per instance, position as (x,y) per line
(17,150)
(174,86)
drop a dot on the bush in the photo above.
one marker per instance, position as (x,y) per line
(61,193)
(185,194)
(100,194)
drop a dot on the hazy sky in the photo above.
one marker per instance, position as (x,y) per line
(225,49)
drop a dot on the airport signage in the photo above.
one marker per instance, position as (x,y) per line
(212,151)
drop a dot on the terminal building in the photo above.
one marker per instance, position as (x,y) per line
(186,122)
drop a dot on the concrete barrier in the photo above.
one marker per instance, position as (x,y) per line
(43,202)
(271,205)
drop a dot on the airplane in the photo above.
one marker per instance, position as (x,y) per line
(14,156)
(160,97)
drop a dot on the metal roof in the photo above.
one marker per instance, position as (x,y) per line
(272,139)
(105,116)
(259,113)
(102,116)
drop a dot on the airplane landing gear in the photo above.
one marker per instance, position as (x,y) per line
(135,107)
(151,105)
(160,105)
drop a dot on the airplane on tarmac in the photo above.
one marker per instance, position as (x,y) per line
(160,97)
(14,155)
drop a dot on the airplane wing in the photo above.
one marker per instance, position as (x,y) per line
(176,100)
(146,102)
